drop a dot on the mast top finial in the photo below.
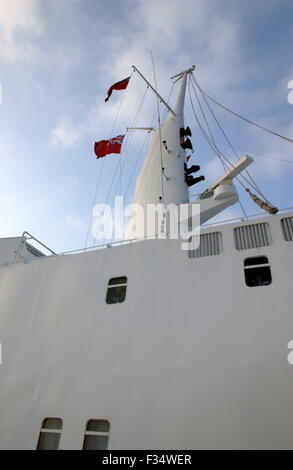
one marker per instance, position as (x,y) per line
(190,70)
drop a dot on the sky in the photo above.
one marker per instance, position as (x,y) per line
(57,61)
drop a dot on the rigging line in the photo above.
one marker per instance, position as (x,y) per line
(136,164)
(169,97)
(242,207)
(254,153)
(253,184)
(256,187)
(210,132)
(159,125)
(209,141)
(214,147)
(220,155)
(102,169)
(266,156)
(139,153)
(245,119)
(117,166)
(222,130)
(127,146)
(128,142)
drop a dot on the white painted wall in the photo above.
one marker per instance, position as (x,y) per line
(193,358)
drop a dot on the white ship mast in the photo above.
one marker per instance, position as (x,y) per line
(162,178)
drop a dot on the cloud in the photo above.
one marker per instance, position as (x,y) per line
(176,39)
(19,22)
(75,222)
(66,133)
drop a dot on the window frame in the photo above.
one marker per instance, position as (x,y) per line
(44,430)
(113,286)
(96,433)
(250,266)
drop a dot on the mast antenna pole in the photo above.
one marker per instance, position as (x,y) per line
(160,132)
(154,90)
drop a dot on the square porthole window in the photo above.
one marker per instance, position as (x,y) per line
(96,435)
(257,271)
(116,291)
(50,434)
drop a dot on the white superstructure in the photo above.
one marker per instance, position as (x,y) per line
(147,346)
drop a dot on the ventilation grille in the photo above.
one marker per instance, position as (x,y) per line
(210,245)
(287,228)
(252,236)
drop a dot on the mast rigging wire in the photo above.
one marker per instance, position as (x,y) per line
(211,143)
(244,118)
(126,148)
(256,187)
(214,147)
(102,169)
(159,127)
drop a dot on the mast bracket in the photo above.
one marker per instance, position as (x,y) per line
(190,70)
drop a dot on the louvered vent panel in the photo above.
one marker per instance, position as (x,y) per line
(252,236)
(287,228)
(210,245)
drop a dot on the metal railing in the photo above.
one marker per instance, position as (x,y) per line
(128,241)
(25,237)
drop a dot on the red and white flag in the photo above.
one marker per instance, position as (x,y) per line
(105,147)
(118,86)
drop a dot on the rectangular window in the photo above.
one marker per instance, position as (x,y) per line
(210,244)
(252,236)
(96,435)
(50,434)
(287,228)
(257,271)
(116,291)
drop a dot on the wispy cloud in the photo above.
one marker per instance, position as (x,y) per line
(66,133)
(75,222)
(58,58)
(20,21)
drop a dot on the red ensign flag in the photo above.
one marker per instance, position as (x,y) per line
(105,147)
(118,86)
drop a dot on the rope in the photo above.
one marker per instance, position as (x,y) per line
(168,101)
(127,143)
(136,164)
(102,169)
(216,150)
(285,160)
(213,143)
(159,127)
(126,147)
(254,185)
(244,118)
